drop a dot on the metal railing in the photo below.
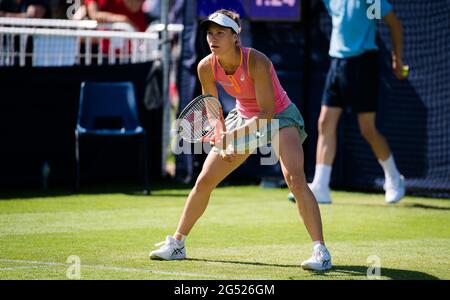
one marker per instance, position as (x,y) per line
(43,42)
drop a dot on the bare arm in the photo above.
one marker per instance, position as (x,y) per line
(13,15)
(103,16)
(396,30)
(260,67)
(80,13)
(33,11)
(206,77)
(260,72)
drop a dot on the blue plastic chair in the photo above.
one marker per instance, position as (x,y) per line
(108,109)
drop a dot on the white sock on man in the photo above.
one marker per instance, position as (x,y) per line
(322,176)
(390,169)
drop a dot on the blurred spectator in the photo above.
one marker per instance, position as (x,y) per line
(152,8)
(80,13)
(176,11)
(24,9)
(113,11)
(59,9)
(68,9)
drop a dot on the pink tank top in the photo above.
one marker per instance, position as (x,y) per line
(241,86)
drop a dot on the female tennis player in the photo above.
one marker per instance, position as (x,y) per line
(249,76)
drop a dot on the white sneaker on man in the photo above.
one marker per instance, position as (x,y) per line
(395,189)
(319,261)
(322,194)
(171,249)
(291,197)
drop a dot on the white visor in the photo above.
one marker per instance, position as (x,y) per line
(222,20)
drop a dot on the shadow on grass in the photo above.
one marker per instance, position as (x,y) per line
(359,271)
(402,205)
(424,206)
(252,263)
(336,271)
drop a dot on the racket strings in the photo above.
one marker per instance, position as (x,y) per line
(200,119)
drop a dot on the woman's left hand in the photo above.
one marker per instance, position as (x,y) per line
(228,154)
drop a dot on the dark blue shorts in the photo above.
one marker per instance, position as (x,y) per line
(352,83)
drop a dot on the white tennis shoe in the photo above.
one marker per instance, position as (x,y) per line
(319,261)
(171,249)
(291,197)
(395,189)
(322,194)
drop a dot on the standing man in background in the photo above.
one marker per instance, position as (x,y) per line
(352,82)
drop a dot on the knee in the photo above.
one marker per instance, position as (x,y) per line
(204,184)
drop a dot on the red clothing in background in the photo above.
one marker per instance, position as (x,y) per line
(118,7)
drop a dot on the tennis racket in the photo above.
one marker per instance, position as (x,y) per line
(201,120)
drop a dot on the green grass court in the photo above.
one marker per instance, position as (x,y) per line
(246,233)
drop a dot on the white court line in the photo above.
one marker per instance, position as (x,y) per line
(109,268)
(20,268)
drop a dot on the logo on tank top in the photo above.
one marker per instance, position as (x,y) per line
(225,83)
(242,77)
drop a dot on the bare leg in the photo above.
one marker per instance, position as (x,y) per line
(291,159)
(213,172)
(326,143)
(376,140)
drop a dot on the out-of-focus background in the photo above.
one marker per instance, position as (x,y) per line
(47,52)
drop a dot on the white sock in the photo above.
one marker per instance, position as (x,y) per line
(322,176)
(317,243)
(390,169)
(183,237)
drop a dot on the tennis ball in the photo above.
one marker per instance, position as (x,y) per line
(405,71)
